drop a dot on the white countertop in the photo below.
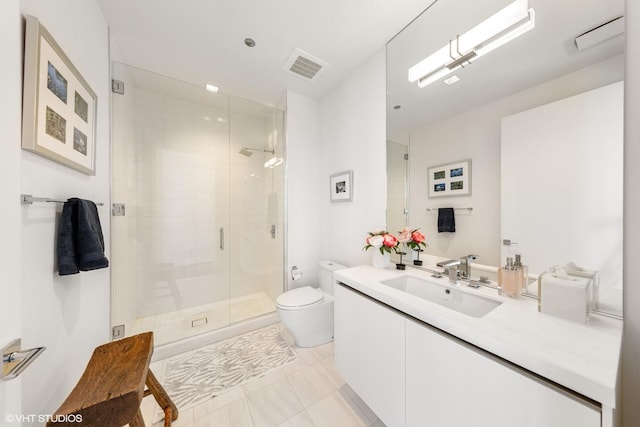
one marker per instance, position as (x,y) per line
(583,358)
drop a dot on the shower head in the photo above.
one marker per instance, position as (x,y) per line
(245,152)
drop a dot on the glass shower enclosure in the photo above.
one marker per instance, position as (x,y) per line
(198,199)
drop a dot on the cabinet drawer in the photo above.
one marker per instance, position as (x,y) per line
(450,383)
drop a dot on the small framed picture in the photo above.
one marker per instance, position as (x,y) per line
(453,179)
(341,186)
(59,107)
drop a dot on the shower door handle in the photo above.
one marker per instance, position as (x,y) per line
(222,238)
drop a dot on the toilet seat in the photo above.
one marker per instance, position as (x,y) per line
(299,298)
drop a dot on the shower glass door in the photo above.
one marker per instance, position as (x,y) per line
(197,228)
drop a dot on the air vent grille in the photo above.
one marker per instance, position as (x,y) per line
(601,33)
(304,65)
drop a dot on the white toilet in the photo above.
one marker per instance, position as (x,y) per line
(307,312)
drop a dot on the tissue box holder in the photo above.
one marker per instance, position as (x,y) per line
(565,297)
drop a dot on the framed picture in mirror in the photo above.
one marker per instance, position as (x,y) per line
(453,179)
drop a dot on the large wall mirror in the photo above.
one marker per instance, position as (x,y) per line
(540,118)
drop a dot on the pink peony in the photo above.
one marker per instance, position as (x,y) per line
(375,241)
(405,235)
(417,237)
(390,240)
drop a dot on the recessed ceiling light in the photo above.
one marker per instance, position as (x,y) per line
(249,42)
(451,80)
(211,88)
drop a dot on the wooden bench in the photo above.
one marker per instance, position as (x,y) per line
(112,387)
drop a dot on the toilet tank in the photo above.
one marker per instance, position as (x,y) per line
(326,275)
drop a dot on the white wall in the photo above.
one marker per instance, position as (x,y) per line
(303,182)
(631,337)
(475,134)
(352,137)
(10,289)
(561,186)
(69,315)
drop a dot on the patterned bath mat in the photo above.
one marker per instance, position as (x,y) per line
(202,374)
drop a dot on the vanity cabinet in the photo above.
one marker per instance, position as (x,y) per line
(369,353)
(411,374)
(451,383)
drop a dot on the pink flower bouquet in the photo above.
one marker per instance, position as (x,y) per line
(381,240)
(414,239)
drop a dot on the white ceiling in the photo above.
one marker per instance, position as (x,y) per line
(202,41)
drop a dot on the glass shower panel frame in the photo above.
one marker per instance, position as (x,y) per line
(397,189)
(198,216)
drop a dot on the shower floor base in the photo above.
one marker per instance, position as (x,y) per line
(181,324)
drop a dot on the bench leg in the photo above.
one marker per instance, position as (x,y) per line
(137,420)
(163,399)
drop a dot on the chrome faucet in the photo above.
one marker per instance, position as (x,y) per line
(447,264)
(465,265)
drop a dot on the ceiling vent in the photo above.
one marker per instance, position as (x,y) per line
(304,65)
(601,33)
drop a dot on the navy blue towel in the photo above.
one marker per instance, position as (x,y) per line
(446,220)
(80,240)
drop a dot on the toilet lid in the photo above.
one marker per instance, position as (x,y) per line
(300,297)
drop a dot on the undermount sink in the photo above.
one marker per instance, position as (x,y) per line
(446,296)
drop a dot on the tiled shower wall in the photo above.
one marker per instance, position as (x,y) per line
(177,168)
(256,200)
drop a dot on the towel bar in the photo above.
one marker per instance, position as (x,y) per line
(15,359)
(436,209)
(28,199)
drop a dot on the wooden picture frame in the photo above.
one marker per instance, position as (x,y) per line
(59,106)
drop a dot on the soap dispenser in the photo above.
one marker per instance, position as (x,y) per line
(509,279)
(523,275)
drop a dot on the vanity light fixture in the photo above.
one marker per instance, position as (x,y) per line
(211,88)
(507,24)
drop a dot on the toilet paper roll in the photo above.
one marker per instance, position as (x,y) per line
(295,273)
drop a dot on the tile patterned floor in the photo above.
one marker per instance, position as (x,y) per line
(196,376)
(306,393)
